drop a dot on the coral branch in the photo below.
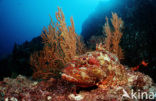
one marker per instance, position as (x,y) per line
(113,36)
(117,34)
(108,33)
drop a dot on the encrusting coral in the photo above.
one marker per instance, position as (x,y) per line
(113,35)
(61,43)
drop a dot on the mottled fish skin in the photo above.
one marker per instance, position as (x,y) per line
(94,68)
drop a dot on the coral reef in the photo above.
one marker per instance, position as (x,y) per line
(61,43)
(94,76)
(99,68)
(138,37)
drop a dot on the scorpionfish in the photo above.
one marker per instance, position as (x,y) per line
(99,67)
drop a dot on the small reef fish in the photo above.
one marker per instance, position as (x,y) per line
(143,63)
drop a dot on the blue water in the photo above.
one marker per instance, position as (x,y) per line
(22,20)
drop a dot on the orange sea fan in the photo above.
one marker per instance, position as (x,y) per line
(61,43)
